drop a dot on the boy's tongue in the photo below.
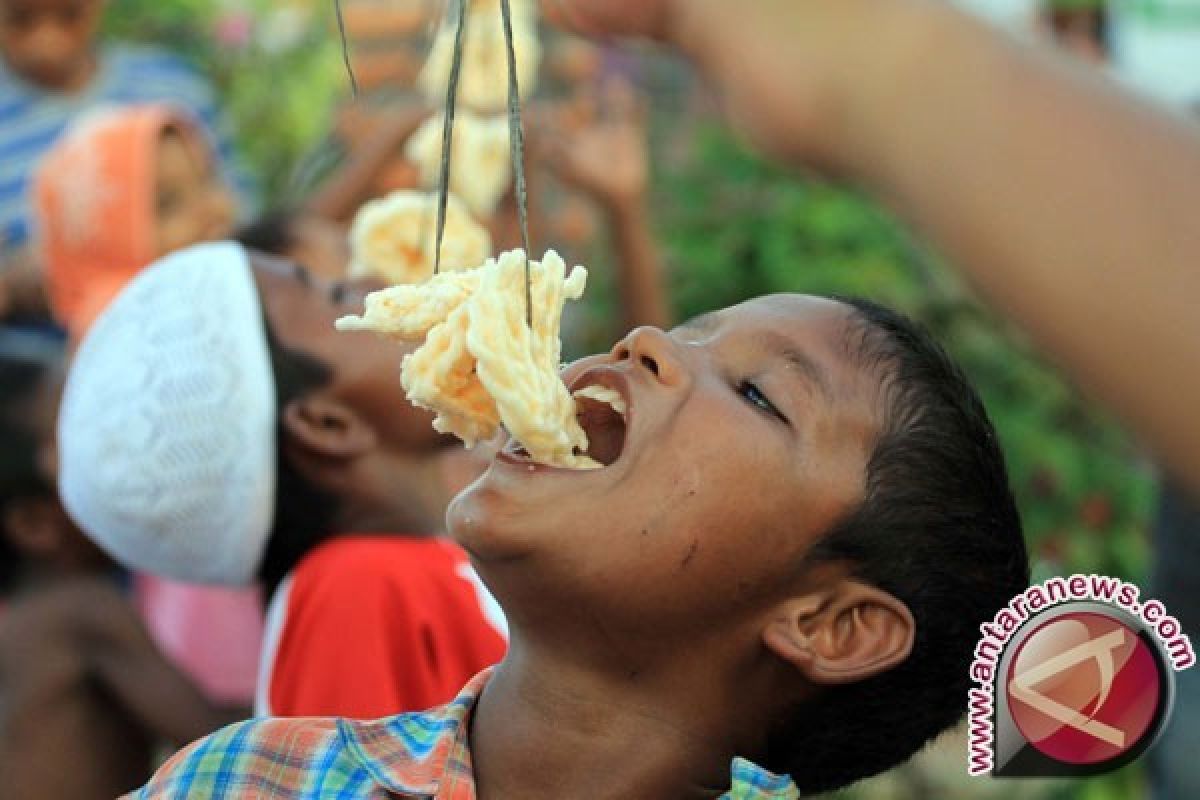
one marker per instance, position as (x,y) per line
(603,424)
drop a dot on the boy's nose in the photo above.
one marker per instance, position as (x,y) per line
(651,350)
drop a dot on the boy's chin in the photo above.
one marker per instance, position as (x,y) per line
(477,520)
(511,511)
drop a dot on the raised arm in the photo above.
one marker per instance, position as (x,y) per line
(1069,203)
(340,195)
(607,159)
(123,658)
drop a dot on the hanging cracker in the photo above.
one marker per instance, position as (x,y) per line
(480,364)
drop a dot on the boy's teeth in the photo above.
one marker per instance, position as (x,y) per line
(602,394)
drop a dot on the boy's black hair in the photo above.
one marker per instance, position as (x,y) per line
(303,513)
(271,233)
(26,360)
(938,529)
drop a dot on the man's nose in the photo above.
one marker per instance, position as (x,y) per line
(650,350)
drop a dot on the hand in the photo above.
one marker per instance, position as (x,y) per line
(604,155)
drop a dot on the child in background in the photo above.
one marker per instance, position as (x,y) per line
(52,70)
(120,189)
(315,475)
(85,696)
(597,144)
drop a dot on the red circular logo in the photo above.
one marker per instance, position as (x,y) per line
(1084,688)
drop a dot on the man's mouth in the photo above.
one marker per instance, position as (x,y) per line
(602,410)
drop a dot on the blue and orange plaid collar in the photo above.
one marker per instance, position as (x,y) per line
(425,754)
(428,754)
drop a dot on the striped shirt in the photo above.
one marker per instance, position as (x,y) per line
(31,119)
(422,755)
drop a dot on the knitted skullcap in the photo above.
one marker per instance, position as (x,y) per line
(166,434)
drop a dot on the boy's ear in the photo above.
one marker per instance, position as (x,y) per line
(325,427)
(841,635)
(31,525)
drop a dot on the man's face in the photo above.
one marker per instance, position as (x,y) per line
(746,436)
(48,42)
(301,309)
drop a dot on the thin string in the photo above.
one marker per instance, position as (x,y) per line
(516,140)
(448,133)
(341,23)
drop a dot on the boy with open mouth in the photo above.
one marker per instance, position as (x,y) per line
(771,583)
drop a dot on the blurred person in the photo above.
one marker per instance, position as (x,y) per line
(967,147)
(604,155)
(314,232)
(596,144)
(85,696)
(121,188)
(52,69)
(286,452)
(125,188)
(1174,772)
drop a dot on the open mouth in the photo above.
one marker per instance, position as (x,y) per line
(602,410)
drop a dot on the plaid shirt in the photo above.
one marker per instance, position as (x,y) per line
(423,755)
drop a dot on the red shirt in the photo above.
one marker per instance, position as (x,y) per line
(369,626)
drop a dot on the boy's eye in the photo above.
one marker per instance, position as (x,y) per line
(168,202)
(753,395)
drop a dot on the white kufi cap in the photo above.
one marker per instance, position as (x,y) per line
(167,443)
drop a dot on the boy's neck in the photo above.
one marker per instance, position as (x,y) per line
(552,730)
(407,497)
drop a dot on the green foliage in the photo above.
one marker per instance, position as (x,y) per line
(736,228)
